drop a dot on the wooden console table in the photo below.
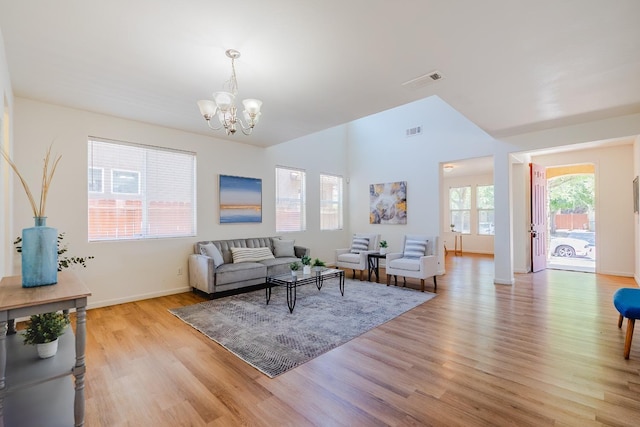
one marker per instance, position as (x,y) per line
(33,391)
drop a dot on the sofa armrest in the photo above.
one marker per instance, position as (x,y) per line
(202,273)
(300,251)
(393,255)
(342,251)
(429,264)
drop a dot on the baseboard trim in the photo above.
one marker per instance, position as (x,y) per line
(510,282)
(140,297)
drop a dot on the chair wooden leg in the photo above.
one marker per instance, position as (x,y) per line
(422,285)
(395,280)
(354,274)
(629,337)
(361,275)
(435,284)
(404,282)
(620,319)
(388,279)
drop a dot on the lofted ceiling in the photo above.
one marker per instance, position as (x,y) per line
(508,66)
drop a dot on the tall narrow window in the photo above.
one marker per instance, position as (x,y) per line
(140,192)
(330,202)
(484,201)
(290,200)
(460,208)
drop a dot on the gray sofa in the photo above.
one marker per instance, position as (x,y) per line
(212,268)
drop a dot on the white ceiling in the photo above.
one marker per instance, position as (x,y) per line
(509,66)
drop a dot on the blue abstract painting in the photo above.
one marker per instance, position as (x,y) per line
(240,199)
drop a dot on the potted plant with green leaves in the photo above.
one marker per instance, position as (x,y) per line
(294,267)
(383,247)
(318,265)
(306,264)
(43,330)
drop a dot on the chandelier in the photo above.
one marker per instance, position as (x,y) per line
(223,105)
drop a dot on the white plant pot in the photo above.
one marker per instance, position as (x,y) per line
(48,349)
(306,270)
(383,251)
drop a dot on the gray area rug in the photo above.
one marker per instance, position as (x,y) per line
(273,340)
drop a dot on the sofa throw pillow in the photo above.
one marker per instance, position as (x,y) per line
(415,248)
(250,254)
(283,248)
(212,251)
(359,244)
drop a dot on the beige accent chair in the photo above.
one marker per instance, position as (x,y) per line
(346,259)
(412,264)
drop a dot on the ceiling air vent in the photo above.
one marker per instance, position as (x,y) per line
(414,131)
(422,81)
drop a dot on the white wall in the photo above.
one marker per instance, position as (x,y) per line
(614,173)
(473,242)
(6,142)
(380,152)
(320,153)
(132,270)
(370,150)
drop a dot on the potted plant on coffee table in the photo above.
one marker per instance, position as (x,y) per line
(318,265)
(383,247)
(43,330)
(294,267)
(306,264)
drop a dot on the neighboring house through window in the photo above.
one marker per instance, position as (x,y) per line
(96,180)
(290,200)
(330,202)
(150,192)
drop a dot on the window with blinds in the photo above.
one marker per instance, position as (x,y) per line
(139,191)
(290,200)
(330,202)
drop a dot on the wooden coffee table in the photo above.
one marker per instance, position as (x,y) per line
(291,282)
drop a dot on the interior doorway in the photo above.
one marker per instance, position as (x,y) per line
(571,218)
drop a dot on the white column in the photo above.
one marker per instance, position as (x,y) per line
(503,240)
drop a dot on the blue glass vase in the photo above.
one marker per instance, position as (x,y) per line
(39,254)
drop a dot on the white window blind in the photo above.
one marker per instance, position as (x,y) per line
(290,200)
(330,202)
(460,208)
(140,192)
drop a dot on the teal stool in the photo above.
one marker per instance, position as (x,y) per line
(627,302)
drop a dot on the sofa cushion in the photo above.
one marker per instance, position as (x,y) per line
(245,271)
(349,258)
(411,264)
(280,265)
(359,244)
(250,254)
(283,248)
(414,248)
(212,251)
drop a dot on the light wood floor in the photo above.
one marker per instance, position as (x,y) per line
(546,351)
